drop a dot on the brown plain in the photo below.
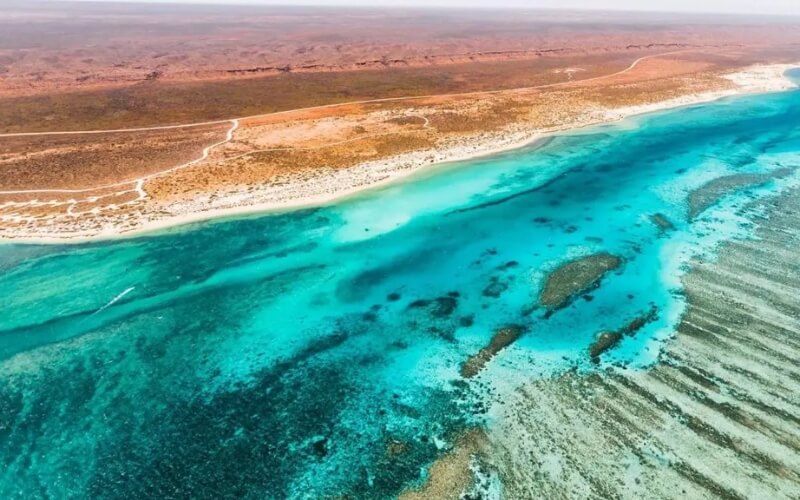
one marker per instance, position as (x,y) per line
(61,69)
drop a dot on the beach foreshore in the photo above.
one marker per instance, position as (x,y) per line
(328,186)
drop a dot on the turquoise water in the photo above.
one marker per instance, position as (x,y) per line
(290,355)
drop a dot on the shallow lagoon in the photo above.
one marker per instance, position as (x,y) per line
(318,351)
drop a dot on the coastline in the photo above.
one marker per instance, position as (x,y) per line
(329,187)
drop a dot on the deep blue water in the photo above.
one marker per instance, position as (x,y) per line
(283,355)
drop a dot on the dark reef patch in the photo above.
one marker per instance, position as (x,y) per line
(521,194)
(503,338)
(663,223)
(609,339)
(575,278)
(440,307)
(495,288)
(357,287)
(714,190)
(508,265)
(435,316)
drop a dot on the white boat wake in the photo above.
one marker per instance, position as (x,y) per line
(114,300)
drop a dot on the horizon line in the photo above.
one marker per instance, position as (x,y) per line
(428,7)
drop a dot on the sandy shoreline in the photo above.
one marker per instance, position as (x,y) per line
(327,187)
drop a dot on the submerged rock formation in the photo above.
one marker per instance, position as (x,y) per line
(663,223)
(712,191)
(609,339)
(575,278)
(500,340)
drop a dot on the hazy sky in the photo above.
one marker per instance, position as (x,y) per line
(729,6)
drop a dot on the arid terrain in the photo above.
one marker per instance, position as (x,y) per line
(163,114)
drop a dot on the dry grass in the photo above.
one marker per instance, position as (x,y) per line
(85,161)
(280,166)
(163,103)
